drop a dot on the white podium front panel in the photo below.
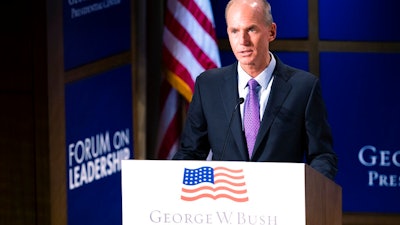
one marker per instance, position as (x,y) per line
(212,192)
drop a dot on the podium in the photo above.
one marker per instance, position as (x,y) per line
(225,192)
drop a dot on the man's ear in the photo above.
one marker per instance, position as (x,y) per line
(272,31)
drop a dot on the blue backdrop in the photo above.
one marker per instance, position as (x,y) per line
(99,135)
(94,30)
(361,94)
(360,90)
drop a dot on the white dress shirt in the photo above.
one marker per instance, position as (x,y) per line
(265,81)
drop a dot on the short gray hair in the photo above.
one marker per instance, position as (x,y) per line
(266,7)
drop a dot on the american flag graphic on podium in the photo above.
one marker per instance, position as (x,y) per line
(214,183)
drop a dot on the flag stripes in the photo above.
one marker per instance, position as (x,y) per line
(178,30)
(189,48)
(178,74)
(204,20)
(170,126)
(214,183)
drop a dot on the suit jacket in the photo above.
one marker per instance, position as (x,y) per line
(294,127)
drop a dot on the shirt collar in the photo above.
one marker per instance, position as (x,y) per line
(263,78)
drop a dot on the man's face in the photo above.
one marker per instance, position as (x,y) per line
(249,35)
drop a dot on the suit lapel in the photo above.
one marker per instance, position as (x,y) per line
(230,97)
(229,93)
(279,91)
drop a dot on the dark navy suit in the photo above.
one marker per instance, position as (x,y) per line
(294,127)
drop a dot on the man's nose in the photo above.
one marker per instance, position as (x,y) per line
(244,38)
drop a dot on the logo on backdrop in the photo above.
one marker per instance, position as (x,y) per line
(86,9)
(97,157)
(381,160)
(214,183)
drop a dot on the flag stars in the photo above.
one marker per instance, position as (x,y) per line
(197,176)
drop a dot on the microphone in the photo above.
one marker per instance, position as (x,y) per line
(239,101)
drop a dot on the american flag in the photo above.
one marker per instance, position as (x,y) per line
(189,48)
(214,183)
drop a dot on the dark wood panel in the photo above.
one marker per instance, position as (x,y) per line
(16,66)
(17,161)
(370,219)
(366,47)
(97,67)
(16,46)
(54,211)
(17,143)
(323,199)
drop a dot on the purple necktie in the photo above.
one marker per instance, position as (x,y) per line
(251,115)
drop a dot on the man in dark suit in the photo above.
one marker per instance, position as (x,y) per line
(291,123)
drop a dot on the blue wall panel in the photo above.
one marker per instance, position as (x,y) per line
(227,57)
(94,30)
(99,135)
(362,96)
(359,20)
(290,16)
(296,59)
